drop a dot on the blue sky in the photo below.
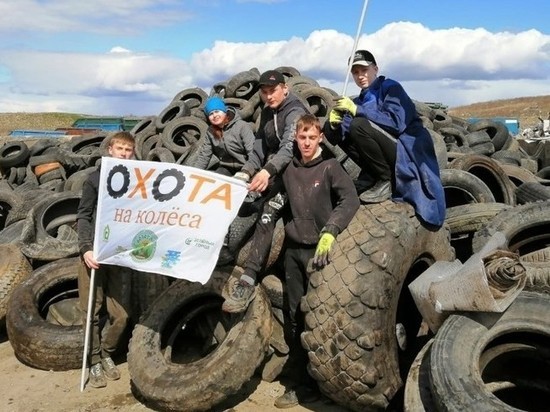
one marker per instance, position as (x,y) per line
(115,57)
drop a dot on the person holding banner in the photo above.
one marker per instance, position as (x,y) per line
(273,150)
(112,283)
(322,201)
(382,132)
(228,137)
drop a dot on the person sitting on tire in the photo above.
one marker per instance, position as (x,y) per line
(112,283)
(231,140)
(273,150)
(381,131)
(322,200)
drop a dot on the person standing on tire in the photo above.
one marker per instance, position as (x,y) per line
(322,200)
(113,283)
(273,150)
(381,131)
(231,140)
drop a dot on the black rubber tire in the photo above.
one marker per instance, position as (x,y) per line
(440,149)
(418,395)
(35,341)
(11,205)
(171,372)
(183,135)
(193,97)
(526,228)
(145,127)
(464,220)
(12,233)
(441,119)
(529,192)
(14,268)
(462,187)
(497,132)
(160,154)
(146,288)
(242,85)
(40,244)
(145,143)
(14,154)
(352,305)
(518,175)
(492,174)
(508,157)
(174,110)
(245,108)
(460,375)
(472,217)
(320,100)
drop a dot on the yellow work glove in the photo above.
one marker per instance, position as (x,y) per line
(322,252)
(334,118)
(346,105)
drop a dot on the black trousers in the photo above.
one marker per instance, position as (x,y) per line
(263,231)
(296,260)
(372,148)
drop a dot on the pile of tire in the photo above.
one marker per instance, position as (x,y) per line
(358,312)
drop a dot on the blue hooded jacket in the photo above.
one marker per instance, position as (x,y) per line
(417,179)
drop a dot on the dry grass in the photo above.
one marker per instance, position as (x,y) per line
(526,109)
(35,121)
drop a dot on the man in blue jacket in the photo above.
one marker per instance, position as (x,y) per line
(381,131)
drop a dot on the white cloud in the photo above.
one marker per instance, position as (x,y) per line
(454,66)
(97,16)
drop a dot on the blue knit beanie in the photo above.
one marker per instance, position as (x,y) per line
(214,103)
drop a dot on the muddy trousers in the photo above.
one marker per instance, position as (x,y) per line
(264,229)
(296,261)
(373,149)
(112,293)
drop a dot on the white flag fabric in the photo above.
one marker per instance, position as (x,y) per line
(163,217)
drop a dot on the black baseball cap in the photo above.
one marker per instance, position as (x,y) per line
(363,58)
(271,78)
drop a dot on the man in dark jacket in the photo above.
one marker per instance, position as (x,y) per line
(381,131)
(322,200)
(273,150)
(112,282)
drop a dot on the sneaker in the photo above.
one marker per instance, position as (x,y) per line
(277,201)
(297,396)
(96,377)
(240,296)
(110,370)
(378,193)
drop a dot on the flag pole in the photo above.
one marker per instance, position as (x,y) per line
(88,327)
(350,63)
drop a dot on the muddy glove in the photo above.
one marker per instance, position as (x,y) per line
(242,176)
(324,247)
(346,105)
(334,118)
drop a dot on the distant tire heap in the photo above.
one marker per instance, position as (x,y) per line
(490,184)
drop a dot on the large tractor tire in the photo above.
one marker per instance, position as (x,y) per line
(186,354)
(358,307)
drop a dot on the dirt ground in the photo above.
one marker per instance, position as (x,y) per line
(25,389)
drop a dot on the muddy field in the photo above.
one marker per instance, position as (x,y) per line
(26,389)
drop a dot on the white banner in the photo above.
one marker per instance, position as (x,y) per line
(163,218)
